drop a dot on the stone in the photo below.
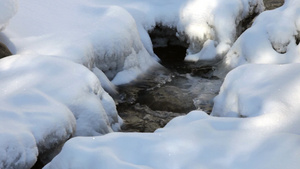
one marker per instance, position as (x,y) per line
(4,51)
(272,4)
(168,98)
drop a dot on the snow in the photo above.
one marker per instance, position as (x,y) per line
(84,32)
(271,39)
(267,136)
(45,100)
(196,21)
(264,91)
(196,140)
(79,29)
(68,51)
(8,9)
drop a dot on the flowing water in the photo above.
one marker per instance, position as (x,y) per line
(166,92)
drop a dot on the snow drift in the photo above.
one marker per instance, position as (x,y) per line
(198,22)
(8,9)
(193,141)
(268,138)
(272,39)
(41,96)
(96,36)
(112,35)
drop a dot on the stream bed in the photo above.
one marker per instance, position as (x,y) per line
(155,98)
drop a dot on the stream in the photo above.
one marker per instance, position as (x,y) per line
(174,89)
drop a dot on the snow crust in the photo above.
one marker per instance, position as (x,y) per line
(272,39)
(45,100)
(8,9)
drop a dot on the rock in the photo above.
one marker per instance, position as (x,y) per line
(168,98)
(4,51)
(140,118)
(272,4)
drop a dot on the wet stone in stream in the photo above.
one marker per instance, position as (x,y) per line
(156,98)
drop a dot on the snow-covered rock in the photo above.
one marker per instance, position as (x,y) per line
(267,96)
(272,39)
(193,141)
(45,100)
(85,32)
(112,35)
(31,124)
(262,91)
(197,21)
(8,8)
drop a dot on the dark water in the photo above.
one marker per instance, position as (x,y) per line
(164,93)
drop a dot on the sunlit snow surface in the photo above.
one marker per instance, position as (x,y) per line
(45,96)
(8,8)
(267,137)
(43,100)
(272,39)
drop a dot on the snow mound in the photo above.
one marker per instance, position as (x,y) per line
(8,8)
(196,21)
(273,38)
(193,141)
(30,127)
(105,37)
(45,101)
(266,91)
(212,26)
(112,35)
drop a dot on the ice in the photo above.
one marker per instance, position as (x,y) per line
(272,39)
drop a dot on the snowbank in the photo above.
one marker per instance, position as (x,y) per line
(199,22)
(267,137)
(266,91)
(85,32)
(41,96)
(112,35)
(193,141)
(8,8)
(273,38)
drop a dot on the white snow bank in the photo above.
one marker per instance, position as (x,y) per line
(217,20)
(8,8)
(193,141)
(270,92)
(31,123)
(112,35)
(271,39)
(268,95)
(197,21)
(67,82)
(40,97)
(86,32)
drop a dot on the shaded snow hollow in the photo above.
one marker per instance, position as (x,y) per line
(67,51)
